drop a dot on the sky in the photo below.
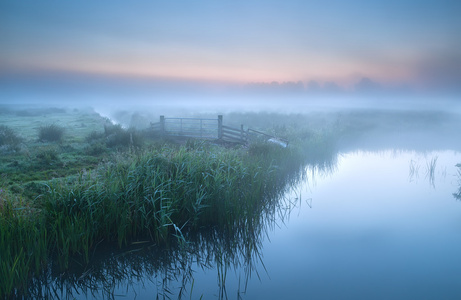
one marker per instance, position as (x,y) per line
(345,45)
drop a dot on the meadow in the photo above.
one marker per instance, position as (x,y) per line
(73,182)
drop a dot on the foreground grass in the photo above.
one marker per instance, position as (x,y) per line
(160,193)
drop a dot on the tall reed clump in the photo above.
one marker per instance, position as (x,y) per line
(159,194)
(23,244)
(156,195)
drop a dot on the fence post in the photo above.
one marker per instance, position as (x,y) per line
(162,125)
(241,133)
(219,127)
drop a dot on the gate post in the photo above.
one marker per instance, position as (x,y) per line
(219,127)
(162,125)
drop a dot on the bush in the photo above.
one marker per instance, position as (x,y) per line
(9,139)
(94,136)
(95,149)
(117,136)
(51,133)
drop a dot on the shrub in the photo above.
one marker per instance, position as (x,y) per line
(47,157)
(95,149)
(94,136)
(117,136)
(51,133)
(9,139)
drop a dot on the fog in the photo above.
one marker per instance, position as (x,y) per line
(108,94)
(355,110)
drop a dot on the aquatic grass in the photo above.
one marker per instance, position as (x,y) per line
(23,244)
(430,170)
(413,170)
(457,195)
(155,194)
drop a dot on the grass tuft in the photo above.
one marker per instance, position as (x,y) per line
(50,133)
(9,140)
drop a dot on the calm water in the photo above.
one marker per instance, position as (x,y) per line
(378,225)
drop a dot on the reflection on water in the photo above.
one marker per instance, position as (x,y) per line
(196,264)
(457,195)
(429,170)
(377,225)
(373,232)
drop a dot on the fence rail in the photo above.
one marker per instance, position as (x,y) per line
(234,134)
(207,129)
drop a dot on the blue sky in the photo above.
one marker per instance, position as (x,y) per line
(394,43)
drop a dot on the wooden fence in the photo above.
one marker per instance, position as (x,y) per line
(207,129)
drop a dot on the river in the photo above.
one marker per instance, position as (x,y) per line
(373,225)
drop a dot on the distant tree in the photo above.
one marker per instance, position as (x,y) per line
(292,87)
(366,85)
(313,86)
(331,87)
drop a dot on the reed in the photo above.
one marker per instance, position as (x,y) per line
(162,194)
(413,170)
(457,195)
(430,170)
(23,244)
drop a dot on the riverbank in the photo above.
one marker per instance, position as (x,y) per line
(126,190)
(64,196)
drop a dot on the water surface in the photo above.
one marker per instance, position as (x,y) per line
(376,225)
(381,226)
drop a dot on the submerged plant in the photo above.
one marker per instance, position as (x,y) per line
(414,170)
(457,195)
(430,170)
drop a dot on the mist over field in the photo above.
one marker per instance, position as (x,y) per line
(211,149)
(107,95)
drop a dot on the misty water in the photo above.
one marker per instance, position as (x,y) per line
(381,224)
